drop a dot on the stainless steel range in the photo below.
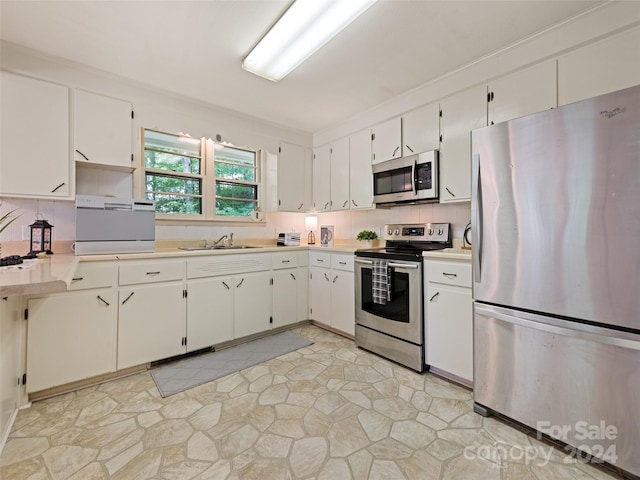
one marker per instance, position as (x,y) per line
(389,291)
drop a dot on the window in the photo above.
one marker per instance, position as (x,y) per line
(197,179)
(236,181)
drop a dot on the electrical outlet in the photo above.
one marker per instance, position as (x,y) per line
(26,232)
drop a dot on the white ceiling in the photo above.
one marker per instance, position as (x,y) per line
(194,48)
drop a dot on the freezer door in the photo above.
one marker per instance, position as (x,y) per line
(577,383)
(556,211)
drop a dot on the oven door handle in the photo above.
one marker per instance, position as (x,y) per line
(392,265)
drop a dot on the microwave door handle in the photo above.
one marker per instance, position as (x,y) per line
(414,169)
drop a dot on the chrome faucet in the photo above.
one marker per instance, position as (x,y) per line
(217,242)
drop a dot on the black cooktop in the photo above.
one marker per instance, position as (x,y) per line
(411,251)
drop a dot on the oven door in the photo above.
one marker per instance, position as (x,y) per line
(401,317)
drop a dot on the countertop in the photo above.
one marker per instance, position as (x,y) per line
(53,273)
(449,254)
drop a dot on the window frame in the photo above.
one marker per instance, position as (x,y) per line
(208,185)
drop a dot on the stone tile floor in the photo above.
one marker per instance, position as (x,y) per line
(327,411)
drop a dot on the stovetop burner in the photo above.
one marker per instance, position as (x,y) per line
(408,241)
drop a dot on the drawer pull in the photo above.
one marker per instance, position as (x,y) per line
(292,276)
(127,299)
(241,282)
(225,285)
(286,261)
(434,296)
(319,260)
(450,275)
(103,300)
(342,263)
(153,273)
(77,279)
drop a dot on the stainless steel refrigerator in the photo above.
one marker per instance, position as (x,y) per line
(556,267)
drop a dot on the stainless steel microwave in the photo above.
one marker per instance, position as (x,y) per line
(411,179)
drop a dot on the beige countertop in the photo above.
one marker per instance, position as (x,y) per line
(53,273)
(448,254)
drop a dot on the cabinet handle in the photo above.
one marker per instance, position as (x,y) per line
(326,205)
(300,207)
(77,279)
(286,261)
(450,275)
(434,296)
(346,202)
(153,273)
(319,260)
(59,186)
(395,151)
(241,282)
(354,203)
(334,280)
(449,192)
(327,278)
(127,299)
(342,263)
(103,300)
(409,148)
(225,285)
(292,275)
(83,155)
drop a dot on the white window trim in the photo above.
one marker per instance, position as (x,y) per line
(208,215)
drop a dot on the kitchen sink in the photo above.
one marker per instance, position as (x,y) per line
(218,247)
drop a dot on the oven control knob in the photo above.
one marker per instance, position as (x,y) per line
(397,231)
(431,231)
(390,232)
(440,231)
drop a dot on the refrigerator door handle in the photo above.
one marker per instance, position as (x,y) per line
(567,329)
(476,217)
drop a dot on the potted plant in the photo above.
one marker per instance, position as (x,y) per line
(367,237)
(5,221)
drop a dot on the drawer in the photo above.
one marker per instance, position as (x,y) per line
(151,271)
(284,260)
(342,262)
(449,273)
(93,275)
(224,264)
(320,259)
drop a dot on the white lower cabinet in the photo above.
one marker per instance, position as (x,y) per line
(151,324)
(70,337)
(449,318)
(331,290)
(290,279)
(209,312)
(252,303)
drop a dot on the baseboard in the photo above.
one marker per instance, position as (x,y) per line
(7,430)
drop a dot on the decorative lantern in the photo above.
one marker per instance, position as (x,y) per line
(311,223)
(41,236)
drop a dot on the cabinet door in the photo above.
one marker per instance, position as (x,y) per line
(320,295)
(252,303)
(450,330)
(340,174)
(387,140)
(360,175)
(322,179)
(285,306)
(460,114)
(421,129)
(291,178)
(303,294)
(600,68)
(10,358)
(522,93)
(102,130)
(209,312)
(151,324)
(343,301)
(70,337)
(34,138)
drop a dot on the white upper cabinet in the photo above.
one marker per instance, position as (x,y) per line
(460,114)
(102,130)
(322,178)
(34,138)
(340,174)
(360,176)
(386,141)
(293,170)
(599,68)
(522,93)
(421,129)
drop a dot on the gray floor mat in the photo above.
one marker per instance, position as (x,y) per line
(191,372)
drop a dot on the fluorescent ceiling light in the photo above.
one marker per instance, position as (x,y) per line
(305,27)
